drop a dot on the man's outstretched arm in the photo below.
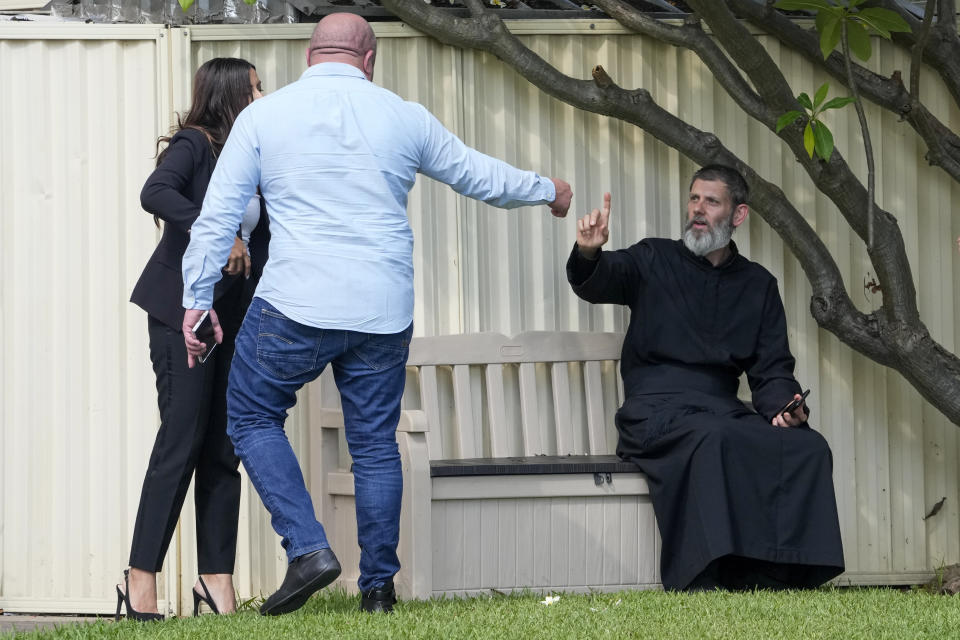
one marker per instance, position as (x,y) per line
(445,158)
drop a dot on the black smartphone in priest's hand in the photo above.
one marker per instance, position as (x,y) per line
(204,332)
(794,404)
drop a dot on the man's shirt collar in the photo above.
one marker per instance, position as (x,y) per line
(702,260)
(333,69)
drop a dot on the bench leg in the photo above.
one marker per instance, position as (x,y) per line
(415,579)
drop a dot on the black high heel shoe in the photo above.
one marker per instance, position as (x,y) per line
(198,598)
(123,598)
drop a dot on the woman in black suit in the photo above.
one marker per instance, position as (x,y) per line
(192,438)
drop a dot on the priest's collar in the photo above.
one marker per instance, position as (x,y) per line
(702,260)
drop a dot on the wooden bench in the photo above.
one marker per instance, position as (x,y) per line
(510,481)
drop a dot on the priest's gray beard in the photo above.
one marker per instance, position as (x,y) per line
(715,237)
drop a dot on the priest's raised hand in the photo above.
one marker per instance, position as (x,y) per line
(593,229)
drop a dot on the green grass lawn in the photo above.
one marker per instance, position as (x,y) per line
(827,613)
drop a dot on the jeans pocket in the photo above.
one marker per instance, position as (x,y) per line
(283,348)
(384,351)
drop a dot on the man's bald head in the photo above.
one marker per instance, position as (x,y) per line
(343,37)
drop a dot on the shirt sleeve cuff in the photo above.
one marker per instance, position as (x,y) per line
(195,296)
(549,190)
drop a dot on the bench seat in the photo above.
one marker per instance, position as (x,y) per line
(527,465)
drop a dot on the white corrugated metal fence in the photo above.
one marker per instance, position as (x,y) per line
(81,107)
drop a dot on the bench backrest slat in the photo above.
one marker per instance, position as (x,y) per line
(430,403)
(497,412)
(468,434)
(596,420)
(560,381)
(530,410)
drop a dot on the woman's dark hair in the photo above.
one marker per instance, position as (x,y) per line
(221,90)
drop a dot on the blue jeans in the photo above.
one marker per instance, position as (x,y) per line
(274,357)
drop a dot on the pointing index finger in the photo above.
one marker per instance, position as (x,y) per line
(606,206)
(605,217)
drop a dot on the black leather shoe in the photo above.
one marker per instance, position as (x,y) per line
(379,599)
(306,575)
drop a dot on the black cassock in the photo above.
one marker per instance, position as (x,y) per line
(740,503)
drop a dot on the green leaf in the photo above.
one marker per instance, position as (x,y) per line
(830,33)
(251,2)
(186,4)
(803,5)
(808,140)
(821,94)
(854,3)
(883,33)
(823,140)
(883,21)
(836,103)
(859,40)
(787,119)
(822,17)
(825,16)
(804,100)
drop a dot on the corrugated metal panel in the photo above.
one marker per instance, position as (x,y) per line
(78,118)
(80,110)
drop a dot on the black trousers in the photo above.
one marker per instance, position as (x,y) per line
(192,440)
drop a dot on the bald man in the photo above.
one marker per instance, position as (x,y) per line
(335,157)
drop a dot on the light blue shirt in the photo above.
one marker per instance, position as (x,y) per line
(335,157)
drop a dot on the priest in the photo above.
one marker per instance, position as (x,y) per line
(743,496)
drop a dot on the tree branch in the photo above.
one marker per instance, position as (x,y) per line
(947,18)
(916,58)
(943,144)
(691,36)
(748,54)
(942,52)
(864,130)
(946,28)
(475,6)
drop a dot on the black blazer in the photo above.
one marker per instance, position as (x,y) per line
(174,192)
